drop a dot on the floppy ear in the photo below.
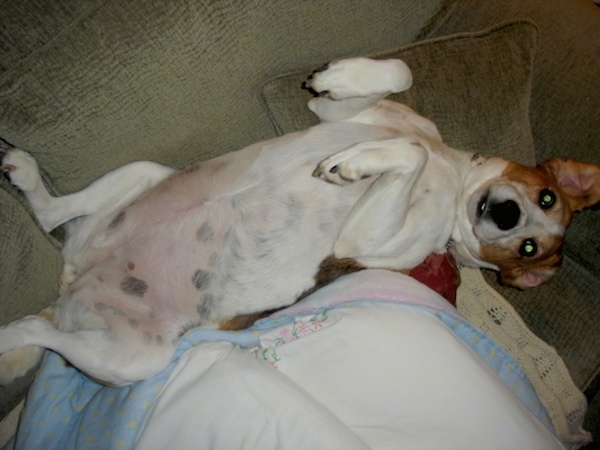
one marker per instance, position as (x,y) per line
(525,278)
(579,182)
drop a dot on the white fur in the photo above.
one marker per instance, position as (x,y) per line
(151,252)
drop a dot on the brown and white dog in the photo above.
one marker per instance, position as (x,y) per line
(151,252)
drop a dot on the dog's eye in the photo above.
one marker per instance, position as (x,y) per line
(528,248)
(547,198)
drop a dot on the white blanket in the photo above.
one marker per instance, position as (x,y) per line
(364,375)
(374,360)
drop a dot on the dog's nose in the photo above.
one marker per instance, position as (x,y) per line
(506,214)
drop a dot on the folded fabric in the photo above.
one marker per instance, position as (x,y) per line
(67,410)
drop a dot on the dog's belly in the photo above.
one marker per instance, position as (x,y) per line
(239,234)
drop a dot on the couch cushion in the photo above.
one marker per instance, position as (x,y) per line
(474,86)
(106,83)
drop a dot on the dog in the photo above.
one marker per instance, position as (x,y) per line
(152,252)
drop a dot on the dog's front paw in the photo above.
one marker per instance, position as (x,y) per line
(21,169)
(359,77)
(340,169)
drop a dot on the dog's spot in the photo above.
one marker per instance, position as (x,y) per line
(295,211)
(200,279)
(100,306)
(159,340)
(100,279)
(213,260)
(133,323)
(205,233)
(118,220)
(147,337)
(325,225)
(134,286)
(205,304)
(130,265)
(117,312)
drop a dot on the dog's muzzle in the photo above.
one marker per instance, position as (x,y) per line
(504,214)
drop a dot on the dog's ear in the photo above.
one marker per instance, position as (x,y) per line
(525,278)
(579,182)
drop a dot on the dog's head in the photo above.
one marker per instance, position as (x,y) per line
(516,216)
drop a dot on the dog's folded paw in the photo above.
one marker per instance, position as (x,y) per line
(21,169)
(339,169)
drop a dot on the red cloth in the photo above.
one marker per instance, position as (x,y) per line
(440,273)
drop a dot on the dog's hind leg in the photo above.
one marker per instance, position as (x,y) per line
(17,362)
(348,87)
(109,357)
(118,187)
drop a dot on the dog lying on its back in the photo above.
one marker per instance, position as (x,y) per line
(151,252)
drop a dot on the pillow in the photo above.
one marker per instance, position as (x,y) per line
(474,86)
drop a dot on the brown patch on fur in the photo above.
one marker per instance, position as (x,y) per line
(579,182)
(511,265)
(243,321)
(330,269)
(47,314)
(535,179)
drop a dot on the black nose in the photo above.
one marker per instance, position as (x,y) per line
(505,215)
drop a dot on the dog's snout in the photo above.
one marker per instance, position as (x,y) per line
(505,214)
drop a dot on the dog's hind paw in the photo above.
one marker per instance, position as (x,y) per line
(68,275)
(359,77)
(21,169)
(16,363)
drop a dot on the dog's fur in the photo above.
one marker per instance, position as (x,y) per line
(151,252)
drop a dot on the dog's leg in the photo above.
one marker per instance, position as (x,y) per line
(116,356)
(17,362)
(351,86)
(382,210)
(119,186)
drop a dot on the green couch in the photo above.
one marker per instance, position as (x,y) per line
(89,85)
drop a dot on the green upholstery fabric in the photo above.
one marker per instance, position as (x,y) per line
(167,81)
